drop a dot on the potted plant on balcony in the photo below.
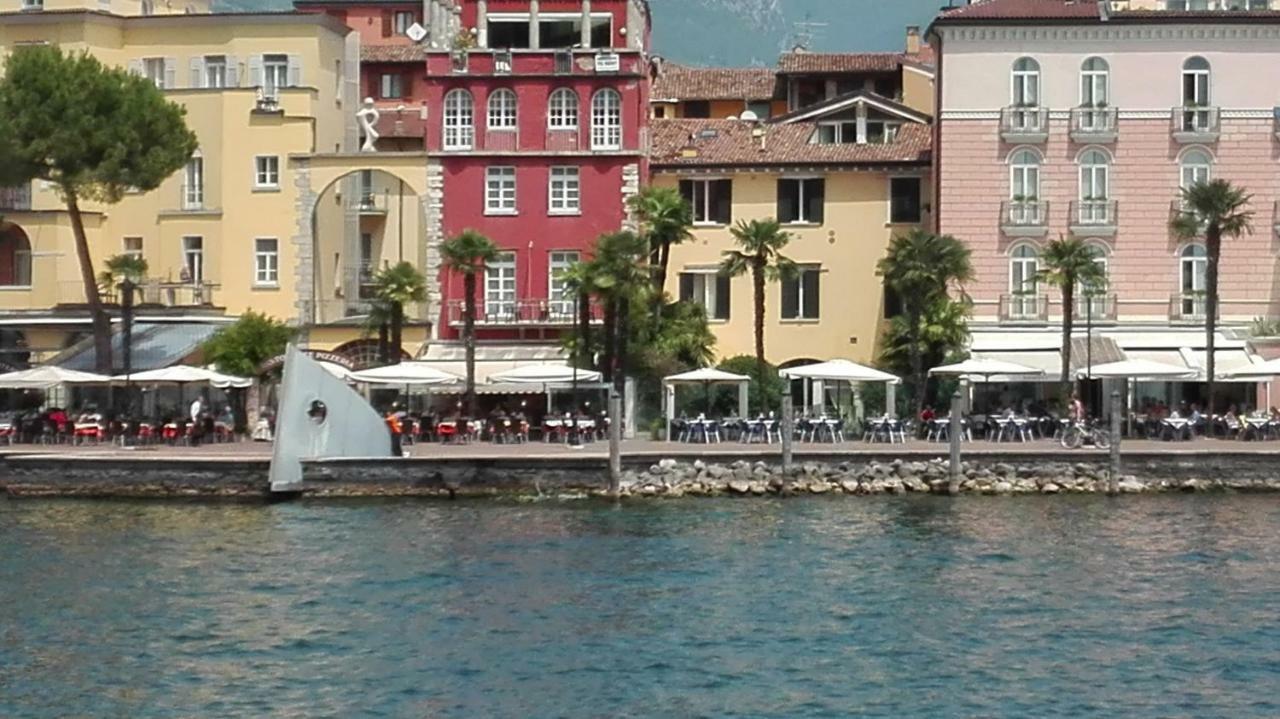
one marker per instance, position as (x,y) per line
(460,47)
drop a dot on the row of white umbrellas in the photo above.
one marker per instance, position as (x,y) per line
(424,374)
(50,376)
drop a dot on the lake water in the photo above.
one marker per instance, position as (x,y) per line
(895,607)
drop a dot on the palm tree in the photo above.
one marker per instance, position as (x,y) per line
(1068,264)
(119,268)
(395,287)
(665,218)
(921,268)
(467,254)
(621,279)
(761,243)
(1214,210)
(579,281)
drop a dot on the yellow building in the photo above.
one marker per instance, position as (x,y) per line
(844,176)
(277,212)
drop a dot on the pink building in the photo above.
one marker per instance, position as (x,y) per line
(1086,118)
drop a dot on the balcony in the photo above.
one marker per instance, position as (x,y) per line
(1189,308)
(16,198)
(1096,309)
(151,294)
(369,204)
(1024,218)
(522,313)
(1024,125)
(1094,125)
(1195,125)
(1028,308)
(1093,218)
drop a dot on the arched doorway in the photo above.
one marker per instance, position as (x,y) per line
(15,256)
(363,354)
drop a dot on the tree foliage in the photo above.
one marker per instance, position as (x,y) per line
(119,268)
(942,334)
(759,253)
(94,133)
(1212,210)
(467,254)
(921,269)
(1070,264)
(395,287)
(239,348)
(665,218)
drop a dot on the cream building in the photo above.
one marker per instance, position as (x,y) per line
(270,215)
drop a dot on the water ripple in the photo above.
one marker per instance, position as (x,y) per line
(895,607)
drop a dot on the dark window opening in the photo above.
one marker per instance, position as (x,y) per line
(801,201)
(904,200)
(697,109)
(509,34)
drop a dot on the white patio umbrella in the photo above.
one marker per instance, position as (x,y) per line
(985,368)
(48,376)
(406,373)
(544,374)
(842,370)
(838,370)
(706,377)
(185,374)
(1136,369)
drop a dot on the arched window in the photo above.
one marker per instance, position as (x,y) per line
(1195,166)
(1024,265)
(193,182)
(562,110)
(15,256)
(1196,114)
(1193,265)
(1095,187)
(1026,83)
(502,110)
(1094,83)
(459,120)
(606,120)
(1024,176)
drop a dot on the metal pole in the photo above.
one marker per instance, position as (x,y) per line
(956,427)
(788,431)
(1113,484)
(615,444)
(126,331)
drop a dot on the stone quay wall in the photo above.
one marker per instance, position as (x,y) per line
(643,476)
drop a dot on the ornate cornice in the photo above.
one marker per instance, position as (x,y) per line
(1226,114)
(1262,29)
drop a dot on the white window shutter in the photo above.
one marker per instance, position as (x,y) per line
(197,72)
(135,67)
(233,71)
(295,71)
(255,71)
(170,72)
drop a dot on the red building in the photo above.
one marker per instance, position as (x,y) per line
(539,132)
(534,118)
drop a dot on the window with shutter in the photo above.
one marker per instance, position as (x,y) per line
(708,289)
(711,200)
(801,201)
(801,294)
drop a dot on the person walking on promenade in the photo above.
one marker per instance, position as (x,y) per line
(396,427)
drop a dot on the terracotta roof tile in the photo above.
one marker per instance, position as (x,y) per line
(393,53)
(798,62)
(724,143)
(680,82)
(1024,9)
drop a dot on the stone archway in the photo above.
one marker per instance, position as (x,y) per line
(316,175)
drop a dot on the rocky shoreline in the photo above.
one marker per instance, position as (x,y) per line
(669,478)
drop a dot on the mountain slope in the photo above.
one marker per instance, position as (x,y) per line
(754,32)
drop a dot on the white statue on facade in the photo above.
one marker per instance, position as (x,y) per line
(368,117)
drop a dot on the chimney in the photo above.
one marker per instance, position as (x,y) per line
(913,39)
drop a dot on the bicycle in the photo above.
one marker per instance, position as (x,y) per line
(1080,432)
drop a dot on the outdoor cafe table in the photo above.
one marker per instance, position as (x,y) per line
(1259,426)
(1013,428)
(821,429)
(941,430)
(1177,428)
(701,430)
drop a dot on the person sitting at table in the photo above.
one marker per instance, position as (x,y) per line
(1195,417)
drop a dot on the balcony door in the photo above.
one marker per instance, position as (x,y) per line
(1196,115)
(1095,187)
(1024,268)
(1194,268)
(500,288)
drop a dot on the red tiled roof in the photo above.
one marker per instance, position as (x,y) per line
(680,82)
(1024,9)
(393,53)
(723,143)
(796,62)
